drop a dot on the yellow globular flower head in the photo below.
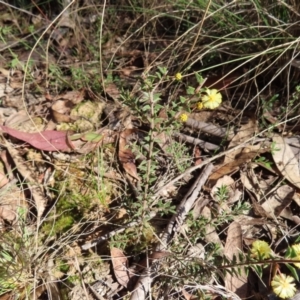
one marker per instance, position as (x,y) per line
(212,99)
(283,286)
(183,118)
(199,105)
(296,249)
(260,250)
(178,76)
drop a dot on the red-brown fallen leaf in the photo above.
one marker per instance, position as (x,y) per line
(220,82)
(74,96)
(48,140)
(120,265)
(197,156)
(126,157)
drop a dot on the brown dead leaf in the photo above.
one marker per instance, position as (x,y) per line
(75,97)
(126,72)
(211,235)
(220,82)
(245,156)
(233,247)
(245,132)
(187,295)
(16,119)
(233,166)
(120,266)
(257,208)
(163,139)
(286,161)
(7,296)
(126,157)
(63,104)
(112,90)
(197,156)
(33,184)
(254,182)
(11,200)
(277,204)
(233,194)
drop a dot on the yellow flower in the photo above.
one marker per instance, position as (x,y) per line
(296,250)
(183,118)
(178,76)
(212,100)
(199,105)
(283,286)
(260,250)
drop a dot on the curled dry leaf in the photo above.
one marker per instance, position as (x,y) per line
(12,202)
(228,183)
(220,82)
(246,131)
(245,156)
(233,246)
(17,119)
(120,266)
(36,191)
(60,111)
(286,161)
(277,204)
(126,157)
(197,156)
(211,235)
(255,183)
(74,97)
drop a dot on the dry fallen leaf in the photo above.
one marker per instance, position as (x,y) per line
(286,161)
(248,153)
(126,157)
(48,140)
(120,265)
(60,112)
(245,132)
(277,203)
(33,185)
(197,156)
(74,97)
(12,199)
(233,246)
(233,194)
(211,236)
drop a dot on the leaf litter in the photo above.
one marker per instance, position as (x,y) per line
(100,130)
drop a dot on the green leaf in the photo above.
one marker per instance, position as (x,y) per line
(92,137)
(199,78)
(146,107)
(182,99)
(162,70)
(293,271)
(190,90)
(156,97)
